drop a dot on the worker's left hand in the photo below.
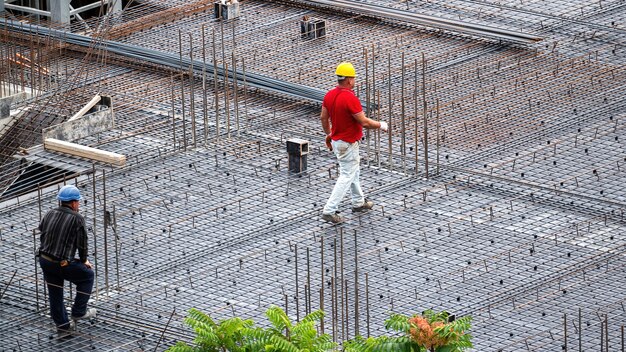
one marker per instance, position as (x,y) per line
(328,143)
(383,126)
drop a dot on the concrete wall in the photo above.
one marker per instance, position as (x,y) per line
(6,102)
(85,126)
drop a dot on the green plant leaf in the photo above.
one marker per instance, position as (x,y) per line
(398,322)
(279,319)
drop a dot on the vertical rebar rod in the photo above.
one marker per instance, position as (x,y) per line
(367,105)
(403,126)
(415,132)
(347,305)
(117,249)
(336,275)
(235,94)
(39,201)
(378,140)
(623,339)
(356,286)
(173,110)
(333,308)
(437,133)
(36,271)
(297,285)
(322,308)
(377,106)
(205,116)
(425,117)
(106,244)
(308,280)
(216,92)
(367,303)
(235,88)
(227,100)
(307,294)
(601,336)
(226,90)
(565,332)
(344,313)
(182,87)
(580,330)
(390,124)
(95,222)
(322,276)
(192,95)
(606,332)
(245,104)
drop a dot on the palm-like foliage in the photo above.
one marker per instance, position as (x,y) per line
(233,335)
(284,336)
(428,332)
(237,335)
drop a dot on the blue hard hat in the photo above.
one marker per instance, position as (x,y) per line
(68,193)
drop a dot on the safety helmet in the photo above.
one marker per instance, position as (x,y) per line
(68,193)
(345,69)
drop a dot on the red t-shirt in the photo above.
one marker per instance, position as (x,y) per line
(341,104)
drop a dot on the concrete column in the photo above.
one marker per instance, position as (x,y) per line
(60,10)
(117,6)
(1,6)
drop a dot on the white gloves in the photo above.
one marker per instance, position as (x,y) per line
(383,126)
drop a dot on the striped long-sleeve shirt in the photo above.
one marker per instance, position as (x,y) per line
(63,233)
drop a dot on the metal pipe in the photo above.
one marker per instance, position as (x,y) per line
(379,11)
(89,7)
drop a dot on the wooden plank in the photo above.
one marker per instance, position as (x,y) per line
(84,152)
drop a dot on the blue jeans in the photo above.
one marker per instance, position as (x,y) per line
(76,273)
(349,160)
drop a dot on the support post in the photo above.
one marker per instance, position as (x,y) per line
(60,10)
(115,6)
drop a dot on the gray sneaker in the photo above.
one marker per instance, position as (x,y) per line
(89,313)
(334,218)
(367,205)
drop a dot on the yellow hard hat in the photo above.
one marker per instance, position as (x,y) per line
(345,69)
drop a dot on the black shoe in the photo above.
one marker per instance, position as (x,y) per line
(334,218)
(367,205)
(67,330)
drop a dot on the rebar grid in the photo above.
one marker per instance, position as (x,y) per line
(521,222)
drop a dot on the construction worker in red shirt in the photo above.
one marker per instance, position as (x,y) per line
(343,121)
